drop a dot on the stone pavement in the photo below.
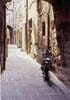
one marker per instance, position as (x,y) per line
(23,80)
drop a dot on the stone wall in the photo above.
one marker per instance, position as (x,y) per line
(47,39)
(1,33)
(60,33)
(62,22)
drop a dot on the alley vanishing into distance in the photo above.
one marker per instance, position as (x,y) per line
(30,30)
(23,80)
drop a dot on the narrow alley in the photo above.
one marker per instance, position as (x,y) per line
(23,80)
(34,33)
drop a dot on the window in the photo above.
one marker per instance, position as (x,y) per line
(30,25)
(43,28)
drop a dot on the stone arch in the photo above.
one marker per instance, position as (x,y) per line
(11,35)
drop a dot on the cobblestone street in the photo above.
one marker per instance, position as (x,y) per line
(23,80)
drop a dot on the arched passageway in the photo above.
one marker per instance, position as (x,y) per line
(10,35)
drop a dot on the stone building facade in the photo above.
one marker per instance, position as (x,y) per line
(3,33)
(39,25)
(19,18)
(62,22)
(30,35)
(10,21)
(46,29)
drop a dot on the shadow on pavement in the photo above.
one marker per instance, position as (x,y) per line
(49,82)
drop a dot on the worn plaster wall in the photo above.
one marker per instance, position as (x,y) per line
(33,16)
(47,11)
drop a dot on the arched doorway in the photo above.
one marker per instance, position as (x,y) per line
(10,34)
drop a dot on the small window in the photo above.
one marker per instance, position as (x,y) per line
(43,28)
(30,25)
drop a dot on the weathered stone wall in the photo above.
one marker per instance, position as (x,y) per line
(32,16)
(62,22)
(1,32)
(60,34)
(47,11)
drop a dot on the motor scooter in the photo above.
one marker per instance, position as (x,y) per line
(45,66)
